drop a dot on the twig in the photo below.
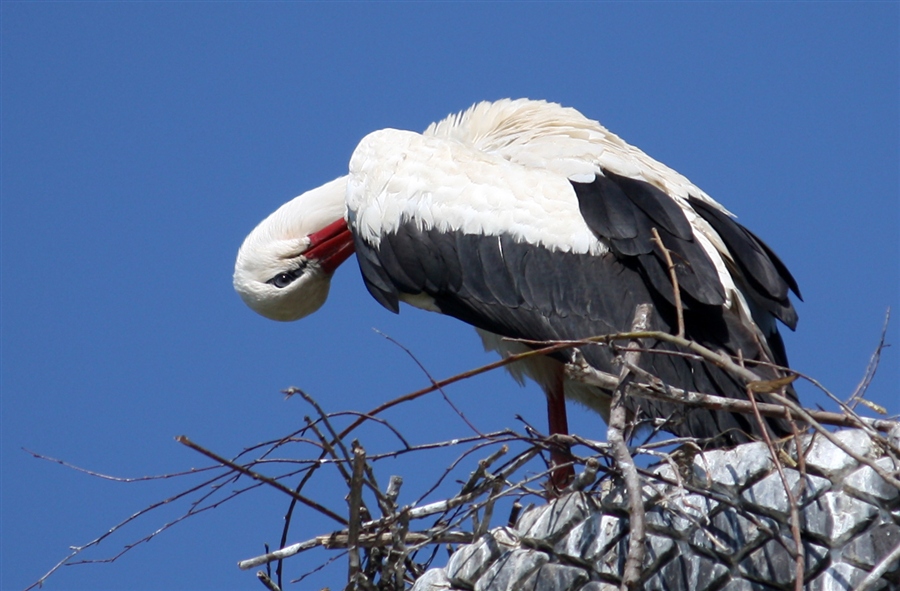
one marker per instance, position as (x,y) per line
(718,359)
(616,435)
(324,418)
(434,383)
(792,500)
(414,513)
(329,449)
(320,567)
(269,583)
(587,476)
(259,477)
(655,389)
(117,478)
(355,500)
(882,567)
(485,520)
(483,465)
(860,392)
(392,492)
(99,539)
(807,416)
(341,539)
(398,551)
(676,291)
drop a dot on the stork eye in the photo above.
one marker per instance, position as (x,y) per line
(282,280)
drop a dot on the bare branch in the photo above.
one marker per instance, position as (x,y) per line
(261,478)
(65,464)
(267,582)
(674,278)
(355,500)
(616,435)
(874,576)
(434,383)
(792,499)
(860,392)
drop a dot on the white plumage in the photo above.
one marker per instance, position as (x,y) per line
(528,220)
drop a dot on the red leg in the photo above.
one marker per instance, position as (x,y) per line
(559,424)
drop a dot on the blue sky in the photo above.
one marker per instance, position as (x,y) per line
(142,141)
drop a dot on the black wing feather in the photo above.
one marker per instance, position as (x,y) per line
(501,285)
(765,277)
(610,211)
(375,277)
(657,205)
(646,208)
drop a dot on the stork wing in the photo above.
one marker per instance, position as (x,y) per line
(525,253)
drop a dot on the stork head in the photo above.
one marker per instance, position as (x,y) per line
(284,268)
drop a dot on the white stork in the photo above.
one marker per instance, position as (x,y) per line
(529,221)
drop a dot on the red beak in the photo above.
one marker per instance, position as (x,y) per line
(330,246)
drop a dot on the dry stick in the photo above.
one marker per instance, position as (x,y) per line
(348,478)
(312,402)
(324,418)
(433,381)
(261,478)
(587,476)
(354,500)
(75,551)
(329,448)
(546,347)
(853,419)
(370,482)
(866,424)
(393,491)
(290,512)
(126,480)
(801,467)
(485,521)
(414,513)
(631,574)
(398,552)
(483,465)
(511,436)
(792,500)
(673,277)
(320,567)
(874,576)
(396,556)
(655,389)
(720,359)
(516,490)
(813,418)
(269,583)
(860,391)
(808,417)
(341,540)
(452,380)
(408,448)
